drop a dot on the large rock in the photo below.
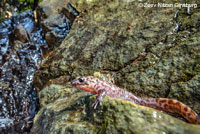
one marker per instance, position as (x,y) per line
(72,113)
(152,52)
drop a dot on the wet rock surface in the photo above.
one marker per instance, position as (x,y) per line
(53,21)
(22,47)
(10,7)
(152,52)
(21,55)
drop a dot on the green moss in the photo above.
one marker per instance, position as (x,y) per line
(107,123)
(28,7)
(30,1)
(1,19)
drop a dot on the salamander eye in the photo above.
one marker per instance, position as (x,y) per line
(81,80)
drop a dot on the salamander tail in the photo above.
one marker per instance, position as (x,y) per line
(173,106)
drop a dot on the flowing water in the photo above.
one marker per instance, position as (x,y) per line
(22,46)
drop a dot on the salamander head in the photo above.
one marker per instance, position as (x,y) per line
(87,83)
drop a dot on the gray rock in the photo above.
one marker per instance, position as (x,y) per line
(54,23)
(152,52)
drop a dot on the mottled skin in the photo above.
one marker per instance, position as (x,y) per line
(102,88)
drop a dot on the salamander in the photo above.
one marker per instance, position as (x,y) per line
(103,88)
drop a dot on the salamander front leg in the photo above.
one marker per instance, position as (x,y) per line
(99,99)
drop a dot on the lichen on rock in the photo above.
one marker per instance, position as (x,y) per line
(152,52)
